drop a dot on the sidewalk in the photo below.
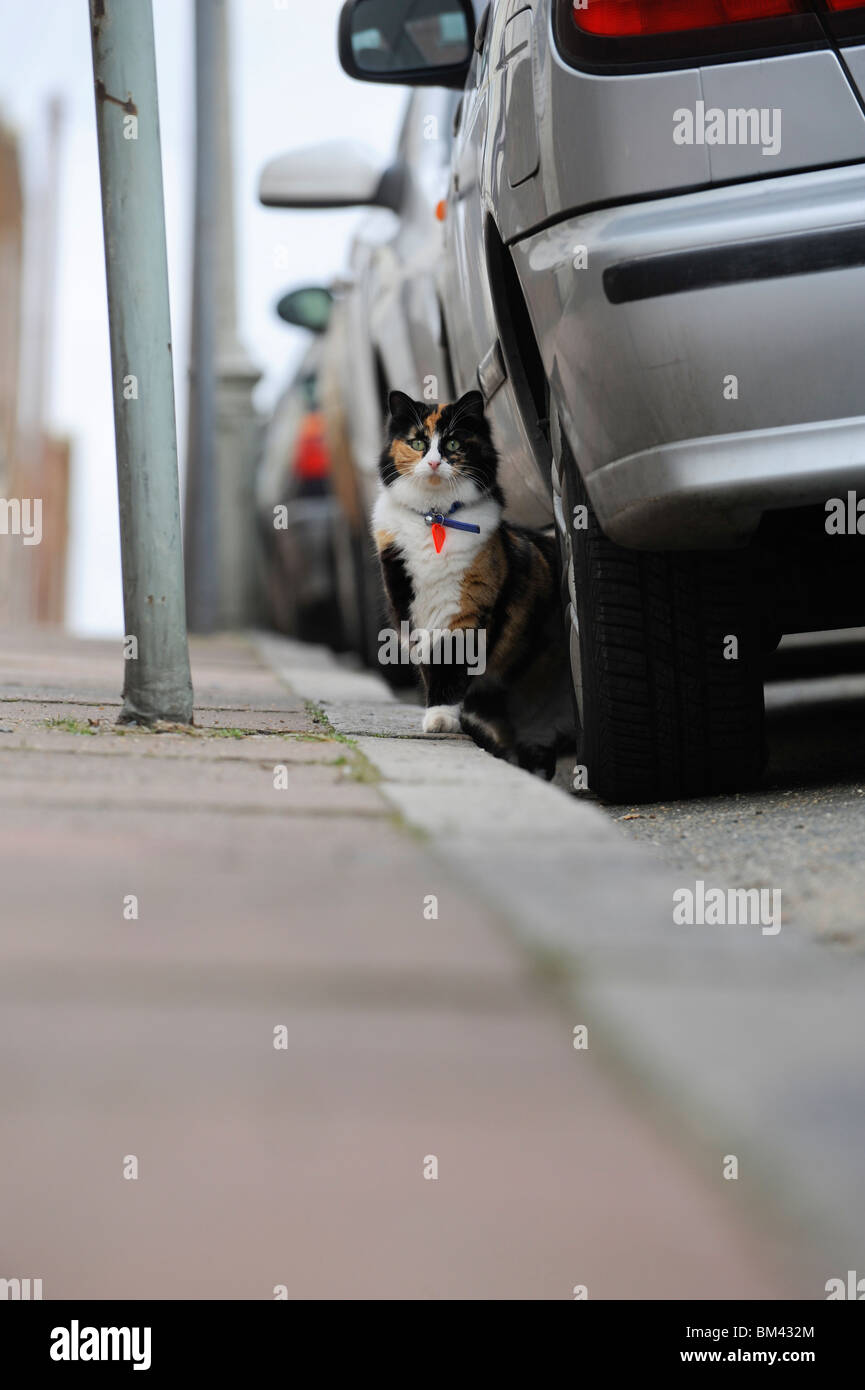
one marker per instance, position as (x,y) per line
(407,1036)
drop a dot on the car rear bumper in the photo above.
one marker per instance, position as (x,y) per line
(704,353)
(713,491)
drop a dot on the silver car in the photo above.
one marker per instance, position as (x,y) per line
(654,267)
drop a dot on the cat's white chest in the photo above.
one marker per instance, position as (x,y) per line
(436,576)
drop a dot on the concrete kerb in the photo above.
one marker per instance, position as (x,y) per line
(664,1001)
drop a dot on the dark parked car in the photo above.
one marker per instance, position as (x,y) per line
(296,507)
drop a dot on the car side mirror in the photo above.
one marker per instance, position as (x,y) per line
(336,174)
(308,307)
(421,43)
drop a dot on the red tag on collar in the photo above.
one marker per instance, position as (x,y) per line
(438,535)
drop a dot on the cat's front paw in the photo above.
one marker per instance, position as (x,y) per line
(442,719)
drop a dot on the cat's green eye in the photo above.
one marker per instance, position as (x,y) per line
(418,444)
(452,445)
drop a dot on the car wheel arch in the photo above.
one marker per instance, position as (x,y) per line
(516,336)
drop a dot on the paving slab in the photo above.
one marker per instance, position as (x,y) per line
(162,926)
(703,1018)
(212,786)
(305,1167)
(130,743)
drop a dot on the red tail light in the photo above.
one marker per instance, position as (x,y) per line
(311,459)
(844,4)
(621,18)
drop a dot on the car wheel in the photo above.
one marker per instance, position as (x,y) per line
(665,655)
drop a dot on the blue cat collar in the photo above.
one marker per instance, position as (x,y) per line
(446,519)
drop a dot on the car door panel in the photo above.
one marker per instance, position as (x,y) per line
(470,318)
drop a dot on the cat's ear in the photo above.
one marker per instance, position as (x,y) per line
(402,408)
(470,406)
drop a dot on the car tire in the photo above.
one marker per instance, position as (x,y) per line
(664,708)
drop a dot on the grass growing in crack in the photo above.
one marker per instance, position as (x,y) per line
(71,726)
(311,738)
(362,769)
(550,965)
(415,832)
(318,716)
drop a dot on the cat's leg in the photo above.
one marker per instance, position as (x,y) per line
(485,718)
(446,680)
(445,688)
(398,589)
(538,757)
(395,576)
(441,719)
(541,703)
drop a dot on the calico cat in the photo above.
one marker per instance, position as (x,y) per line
(451,564)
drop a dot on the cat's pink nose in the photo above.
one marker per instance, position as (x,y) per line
(433,463)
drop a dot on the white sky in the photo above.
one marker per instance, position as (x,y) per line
(288,91)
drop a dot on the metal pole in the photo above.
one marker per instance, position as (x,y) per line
(201,515)
(157,683)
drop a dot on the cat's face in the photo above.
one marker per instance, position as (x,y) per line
(438,454)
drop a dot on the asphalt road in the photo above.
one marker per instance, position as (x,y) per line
(804,830)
